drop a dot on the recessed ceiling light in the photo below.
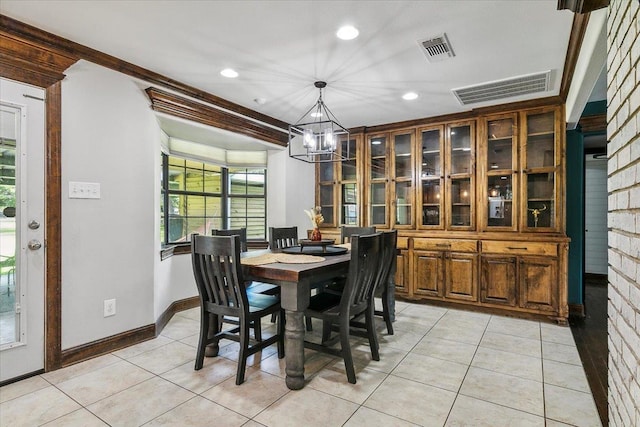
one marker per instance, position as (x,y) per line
(347,32)
(229,72)
(410,96)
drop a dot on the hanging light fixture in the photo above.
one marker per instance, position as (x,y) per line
(317,141)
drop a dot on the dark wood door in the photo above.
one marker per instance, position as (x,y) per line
(538,283)
(498,282)
(429,272)
(461,276)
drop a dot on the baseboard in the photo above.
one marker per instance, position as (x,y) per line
(127,338)
(576,310)
(21,377)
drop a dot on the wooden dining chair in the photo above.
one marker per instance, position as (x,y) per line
(338,310)
(222,291)
(346,231)
(242,232)
(282,237)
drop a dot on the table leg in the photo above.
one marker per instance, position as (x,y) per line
(294,349)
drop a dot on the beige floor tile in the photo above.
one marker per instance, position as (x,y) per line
(143,347)
(93,386)
(332,379)
(469,317)
(457,331)
(468,411)
(415,325)
(570,406)
(365,417)
(453,351)
(192,313)
(517,327)
(181,327)
(192,340)
(81,417)
(561,353)
(214,371)
(165,358)
(231,351)
(401,340)
(140,403)
(64,374)
(412,401)
(566,375)
(506,390)
(252,423)
(510,343)
(36,408)
(557,334)
(552,423)
(258,391)
(389,357)
(508,363)
(199,412)
(313,362)
(293,410)
(23,387)
(429,370)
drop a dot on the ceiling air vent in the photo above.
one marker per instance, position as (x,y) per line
(515,86)
(437,48)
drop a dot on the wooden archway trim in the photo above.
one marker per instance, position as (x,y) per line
(42,66)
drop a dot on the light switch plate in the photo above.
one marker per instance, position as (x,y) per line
(84,190)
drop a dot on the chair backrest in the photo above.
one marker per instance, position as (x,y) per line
(283,237)
(347,231)
(388,258)
(363,270)
(242,232)
(218,274)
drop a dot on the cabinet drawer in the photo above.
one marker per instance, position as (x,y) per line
(403,243)
(446,245)
(520,248)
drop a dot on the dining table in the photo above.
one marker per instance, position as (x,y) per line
(295,279)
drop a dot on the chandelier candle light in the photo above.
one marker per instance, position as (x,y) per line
(317,141)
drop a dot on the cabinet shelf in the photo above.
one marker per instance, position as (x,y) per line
(536,134)
(549,199)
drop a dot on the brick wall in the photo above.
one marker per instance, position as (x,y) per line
(623,114)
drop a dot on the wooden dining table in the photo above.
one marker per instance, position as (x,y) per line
(296,282)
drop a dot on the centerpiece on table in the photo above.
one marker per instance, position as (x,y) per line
(315,215)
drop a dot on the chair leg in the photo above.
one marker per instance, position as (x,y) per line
(386,306)
(273,318)
(281,334)
(345,347)
(257,329)
(371,332)
(326,330)
(309,324)
(242,356)
(202,342)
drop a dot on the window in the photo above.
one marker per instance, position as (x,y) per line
(198,197)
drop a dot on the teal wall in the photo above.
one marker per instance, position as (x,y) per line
(575,214)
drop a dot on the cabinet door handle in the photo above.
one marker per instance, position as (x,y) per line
(516,248)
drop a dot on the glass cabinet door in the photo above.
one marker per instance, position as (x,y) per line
(325,197)
(500,166)
(402,198)
(430,176)
(460,155)
(377,148)
(540,166)
(349,214)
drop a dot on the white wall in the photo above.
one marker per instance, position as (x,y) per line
(109,136)
(595,189)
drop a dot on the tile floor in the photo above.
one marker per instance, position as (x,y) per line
(443,367)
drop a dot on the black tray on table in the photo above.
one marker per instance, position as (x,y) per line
(321,247)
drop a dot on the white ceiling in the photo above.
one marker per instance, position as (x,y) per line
(281,47)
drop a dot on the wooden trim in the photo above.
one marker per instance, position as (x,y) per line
(577,310)
(108,344)
(75,50)
(578,29)
(582,6)
(53,232)
(175,307)
(174,105)
(596,123)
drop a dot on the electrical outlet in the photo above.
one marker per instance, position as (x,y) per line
(109,307)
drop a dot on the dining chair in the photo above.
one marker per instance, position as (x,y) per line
(222,291)
(346,231)
(282,237)
(338,310)
(242,232)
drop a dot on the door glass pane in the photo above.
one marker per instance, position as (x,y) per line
(431,202)
(349,166)
(378,150)
(326,203)
(326,171)
(460,149)
(404,203)
(378,203)
(9,319)
(500,212)
(349,204)
(402,148)
(500,143)
(540,200)
(540,140)
(430,153)
(461,202)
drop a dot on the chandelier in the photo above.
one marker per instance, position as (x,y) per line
(319,140)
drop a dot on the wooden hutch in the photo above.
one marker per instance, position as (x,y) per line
(478,203)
